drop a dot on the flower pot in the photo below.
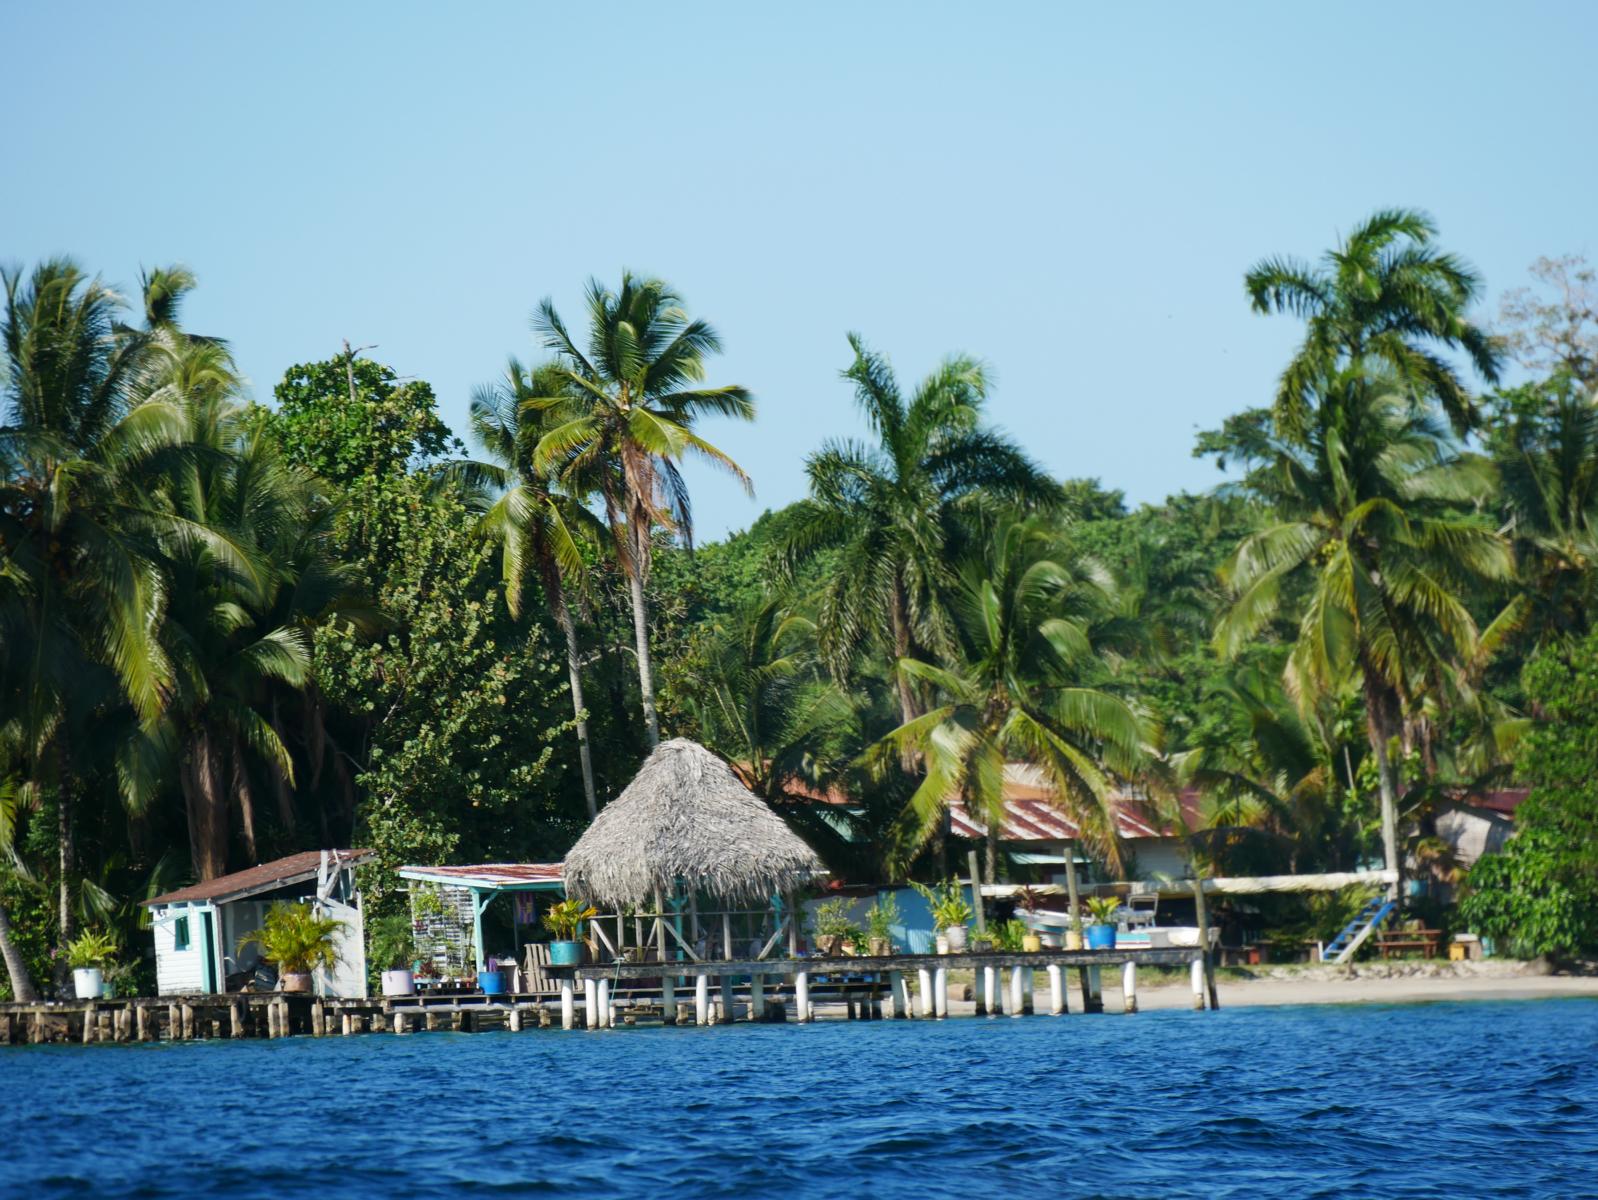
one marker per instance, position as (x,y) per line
(565,954)
(1101,937)
(87,982)
(942,943)
(399,982)
(881,947)
(957,938)
(1073,939)
(831,946)
(491,983)
(1031,943)
(296,981)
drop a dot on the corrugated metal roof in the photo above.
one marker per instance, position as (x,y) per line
(488,875)
(295,868)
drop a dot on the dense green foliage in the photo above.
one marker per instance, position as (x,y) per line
(230,631)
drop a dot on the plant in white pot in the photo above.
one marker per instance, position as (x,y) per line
(89,955)
(394,951)
(297,941)
(950,914)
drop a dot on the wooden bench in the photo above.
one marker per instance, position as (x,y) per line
(1403,941)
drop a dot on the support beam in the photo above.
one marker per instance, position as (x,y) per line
(1197,976)
(1129,986)
(141,1017)
(1202,913)
(401,1025)
(568,1003)
(757,997)
(606,1017)
(1074,933)
(924,990)
(896,987)
(940,991)
(801,996)
(349,1025)
(988,993)
(702,999)
(1017,998)
(728,1008)
(1056,990)
(591,1004)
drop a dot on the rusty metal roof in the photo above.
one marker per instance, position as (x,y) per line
(296,868)
(490,875)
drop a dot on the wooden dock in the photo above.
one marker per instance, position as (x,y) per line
(620,993)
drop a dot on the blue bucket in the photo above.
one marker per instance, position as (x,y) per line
(565,954)
(492,983)
(1100,937)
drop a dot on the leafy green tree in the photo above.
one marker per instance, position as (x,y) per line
(639,397)
(1540,894)
(1386,296)
(1363,496)
(899,514)
(538,524)
(1029,683)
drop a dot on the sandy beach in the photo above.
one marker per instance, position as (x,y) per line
(1369,983)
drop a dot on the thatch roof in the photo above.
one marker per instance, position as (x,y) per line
(686,816)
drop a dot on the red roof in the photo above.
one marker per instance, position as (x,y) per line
(296,868)
(491,874)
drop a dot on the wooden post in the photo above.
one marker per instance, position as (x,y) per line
(188,1021)
(702,999)
(1202,912)
(88,1025)
(924,989)
(668,982)
(235,1016)
(801,996)
(1056,991)
(726,937)
(141,1023)
(1129,986)
(793,925)
(318,1019)
(514,1019)
(401,1025)
(568,1003)
(1017,998)
(757,997)
(590,1004)
(349,1025)
(940,992)
(174,1023)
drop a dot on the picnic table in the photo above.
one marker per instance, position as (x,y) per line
(1403,941)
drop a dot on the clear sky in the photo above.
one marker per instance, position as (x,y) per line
(1071,192)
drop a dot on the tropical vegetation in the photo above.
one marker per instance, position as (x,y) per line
(230,630)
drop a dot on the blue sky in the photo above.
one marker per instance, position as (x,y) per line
(1071,192)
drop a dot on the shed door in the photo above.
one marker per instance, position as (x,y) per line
(348,979)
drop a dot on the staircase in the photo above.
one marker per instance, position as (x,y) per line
(1341,948)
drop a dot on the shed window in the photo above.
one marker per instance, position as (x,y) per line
(180,934)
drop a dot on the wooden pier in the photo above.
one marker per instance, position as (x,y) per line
(621,993)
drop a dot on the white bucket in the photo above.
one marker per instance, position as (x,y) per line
(87,982)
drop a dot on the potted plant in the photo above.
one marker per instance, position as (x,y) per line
(881,917)
(491,979)
(1031,942)
(1009,936)
(297,941)
(89,954)
(834,929)
(1101,929)
(394,950)
(565,924)
(950,913)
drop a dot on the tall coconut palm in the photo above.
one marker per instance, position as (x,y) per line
(81,535)
(1364,497)
(1386,294)
(639,397)
(1028,683)
(537,521)
(899,513)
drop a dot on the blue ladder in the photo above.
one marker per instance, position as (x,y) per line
(1342,947)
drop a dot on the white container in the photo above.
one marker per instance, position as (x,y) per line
(399,983)
(87,982)
(957,938)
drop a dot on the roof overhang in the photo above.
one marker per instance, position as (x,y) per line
(492,877)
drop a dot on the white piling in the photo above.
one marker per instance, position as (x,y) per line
(757,997)
(729,1010)
(1056,990)
(606,1017)
(924,978)
(1129,987)
(1198,983)
(990,990)
(702,999)
(590,1004)
(1017,996)
(801,995)
(1095,989)
(568,1004)
(896,988)
(940,991)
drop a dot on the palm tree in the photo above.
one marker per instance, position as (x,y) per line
(1029,682)
(538,523)
(80,585)
(632,424)
(1386,294)
(1364,497)
(899,513)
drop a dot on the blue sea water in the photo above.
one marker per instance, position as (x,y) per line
(1479,1099)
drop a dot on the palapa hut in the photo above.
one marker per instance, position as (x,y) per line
(684,837)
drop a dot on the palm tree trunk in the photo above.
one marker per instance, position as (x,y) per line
(1387,773)
(646,673)
(909,708)
(207,809)
(22,985)
(574,673)
(67,852)
(241,788)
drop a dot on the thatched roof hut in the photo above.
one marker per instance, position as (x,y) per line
(686,820)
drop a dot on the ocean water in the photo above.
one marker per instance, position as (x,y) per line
(1478,1099)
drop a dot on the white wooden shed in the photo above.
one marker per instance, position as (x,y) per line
(197,928)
